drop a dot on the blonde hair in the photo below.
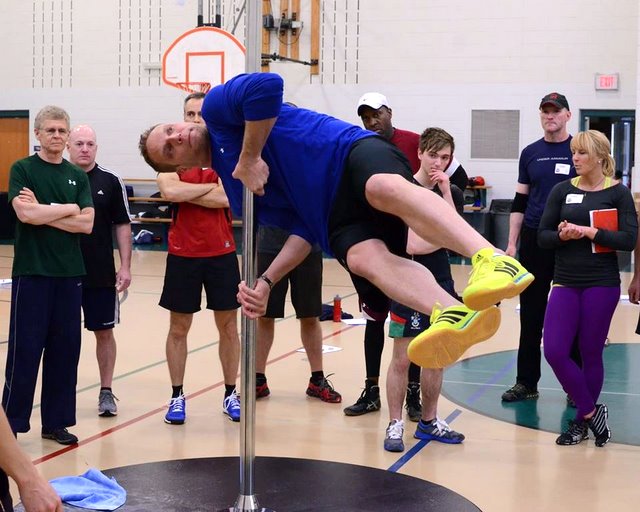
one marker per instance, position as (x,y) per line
(595,143)
(51,112)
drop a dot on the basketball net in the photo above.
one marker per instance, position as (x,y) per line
(194,86)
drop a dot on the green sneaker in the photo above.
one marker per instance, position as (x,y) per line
(453,330)
(494,277)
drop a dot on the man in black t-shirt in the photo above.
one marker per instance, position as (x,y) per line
(102,283)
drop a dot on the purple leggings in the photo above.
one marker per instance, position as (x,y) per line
(587,313)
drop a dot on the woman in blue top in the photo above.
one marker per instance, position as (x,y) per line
(329,182)
(586,283)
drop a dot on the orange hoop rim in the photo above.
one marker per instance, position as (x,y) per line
(194,86)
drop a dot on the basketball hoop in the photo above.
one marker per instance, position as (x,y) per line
(194,86)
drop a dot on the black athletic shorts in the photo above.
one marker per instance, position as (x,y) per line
(6,504)
(306,287)
(185,277)
(353,219)
(101,308)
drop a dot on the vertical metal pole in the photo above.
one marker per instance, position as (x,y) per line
(200,13)
(247,500)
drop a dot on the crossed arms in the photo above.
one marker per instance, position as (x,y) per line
(66,217)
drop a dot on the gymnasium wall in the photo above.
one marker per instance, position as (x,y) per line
(436,61)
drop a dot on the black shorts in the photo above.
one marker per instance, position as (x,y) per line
(408,323)
(306,287)
(6,504)
(101,308)
(353,220)
(185,277)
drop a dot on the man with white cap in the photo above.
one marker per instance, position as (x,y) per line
(375,112)
(376,115)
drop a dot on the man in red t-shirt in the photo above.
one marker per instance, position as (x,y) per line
(201,253)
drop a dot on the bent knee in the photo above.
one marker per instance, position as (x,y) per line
(361,257)
(381,188)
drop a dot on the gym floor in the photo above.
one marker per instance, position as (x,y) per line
(310,456)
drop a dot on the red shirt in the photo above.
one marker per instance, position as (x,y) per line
(407,142)
(199,232)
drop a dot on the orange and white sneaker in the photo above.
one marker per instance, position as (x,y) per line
(453,330)
(494,277)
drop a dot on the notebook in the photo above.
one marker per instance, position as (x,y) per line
(603,219)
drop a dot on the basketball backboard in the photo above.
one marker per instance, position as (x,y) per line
(202,55)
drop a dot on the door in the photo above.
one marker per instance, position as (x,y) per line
(619,127)
(14,142)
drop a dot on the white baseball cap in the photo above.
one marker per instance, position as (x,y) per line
(375,100)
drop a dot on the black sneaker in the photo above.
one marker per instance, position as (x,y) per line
(413,405)
(60,435)
(598,425)
(518,393)
(576,432)
(369,401)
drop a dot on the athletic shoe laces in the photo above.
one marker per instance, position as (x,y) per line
(395,430)
(177,404)
(440,427)
(483,266)
(232,401)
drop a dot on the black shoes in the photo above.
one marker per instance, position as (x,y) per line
(60,435)
(599,427)
(575,433)
(369,401)
(413,405)
(518,393)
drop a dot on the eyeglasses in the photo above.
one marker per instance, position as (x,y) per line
(52,131)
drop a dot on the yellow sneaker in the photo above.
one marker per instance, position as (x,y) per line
(453,330)
(494,277)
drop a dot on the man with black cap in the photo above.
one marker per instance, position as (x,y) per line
(543,163)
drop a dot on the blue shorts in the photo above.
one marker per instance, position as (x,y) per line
(408,323)
(101,308)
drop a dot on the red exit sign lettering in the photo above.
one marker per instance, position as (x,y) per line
(607,81)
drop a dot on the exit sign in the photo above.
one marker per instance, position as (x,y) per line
(607,82)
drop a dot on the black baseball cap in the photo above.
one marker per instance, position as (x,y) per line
(556,99)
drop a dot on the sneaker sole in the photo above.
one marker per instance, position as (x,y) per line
(174,422)
(443,347)
(394,449)
(427,437)
(231,418)
(333,401)
(349,412)
(53,438)
(571,443)
(107,414)
(520,399)
(483,296)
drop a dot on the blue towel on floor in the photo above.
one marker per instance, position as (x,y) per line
(93,490)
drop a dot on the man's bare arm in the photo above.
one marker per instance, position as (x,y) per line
(216,198)
(515,223)
(35,492)
(251,168)
(80,223)
(30,212)
(178,191)
(123,237)
(254,300)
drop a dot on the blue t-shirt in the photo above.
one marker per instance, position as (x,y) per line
(305,152)
(542,165)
